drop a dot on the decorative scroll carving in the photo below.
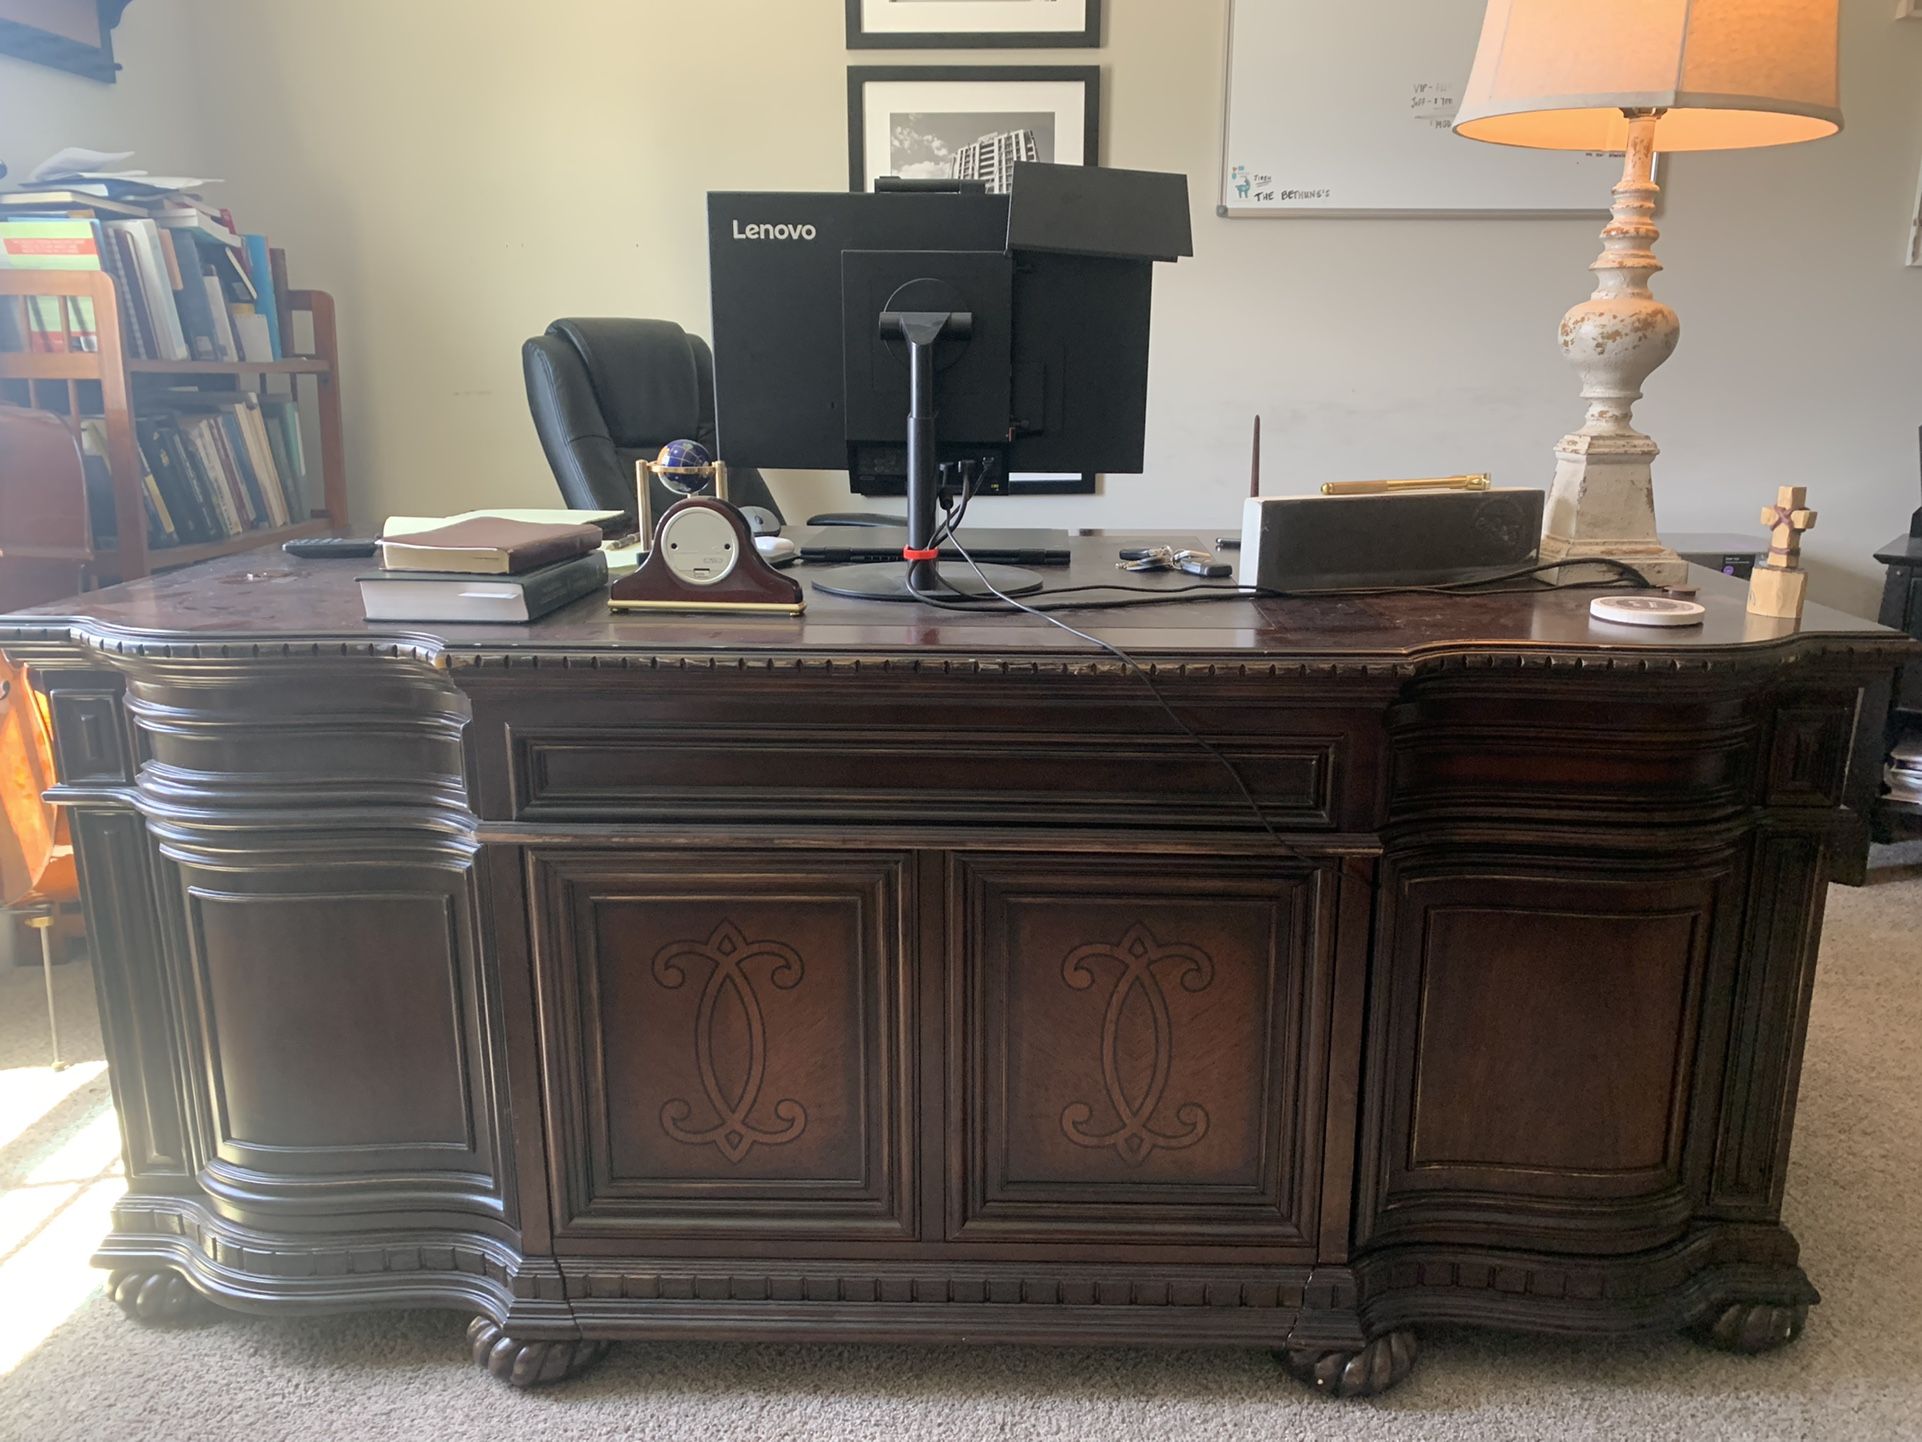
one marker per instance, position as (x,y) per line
(1138,955)
(728,953)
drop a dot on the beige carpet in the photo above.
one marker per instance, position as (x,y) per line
(83,1372)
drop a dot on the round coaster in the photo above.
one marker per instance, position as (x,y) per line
(1646,611)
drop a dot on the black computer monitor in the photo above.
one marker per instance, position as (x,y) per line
(1042,366)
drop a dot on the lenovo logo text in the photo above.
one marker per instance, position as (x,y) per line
(773,232)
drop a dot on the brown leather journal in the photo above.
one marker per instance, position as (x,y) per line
(488,546)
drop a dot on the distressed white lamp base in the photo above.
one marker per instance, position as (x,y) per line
(1602,502)
(1602,506)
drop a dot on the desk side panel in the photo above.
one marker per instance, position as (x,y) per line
(300,997)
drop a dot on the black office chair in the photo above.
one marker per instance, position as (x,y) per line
(607,393)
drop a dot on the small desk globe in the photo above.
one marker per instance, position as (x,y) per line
(685,467)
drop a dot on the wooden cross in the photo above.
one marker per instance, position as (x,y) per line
(1786,520)
(1779,587)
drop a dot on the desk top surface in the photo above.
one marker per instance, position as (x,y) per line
(265,601)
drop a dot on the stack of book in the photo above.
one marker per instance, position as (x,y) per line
(484,568)
(191,284)
(1904,773)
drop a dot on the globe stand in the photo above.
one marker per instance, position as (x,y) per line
(922,577)
(687,480)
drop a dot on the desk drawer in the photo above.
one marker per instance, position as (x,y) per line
(1038,758)
(1457,751)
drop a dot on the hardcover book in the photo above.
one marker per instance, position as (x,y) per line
(487,545)
(464,596)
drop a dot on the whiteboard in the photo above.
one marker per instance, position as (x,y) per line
(1345,108)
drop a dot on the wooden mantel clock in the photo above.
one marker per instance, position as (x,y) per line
(702,555)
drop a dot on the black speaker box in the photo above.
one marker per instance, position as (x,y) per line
(1410,538)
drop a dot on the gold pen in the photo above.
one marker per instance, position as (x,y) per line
(1383,488)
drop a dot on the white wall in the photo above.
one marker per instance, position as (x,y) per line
(460,172)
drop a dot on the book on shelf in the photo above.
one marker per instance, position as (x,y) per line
(224,461)
(1904,772)
(54,323)
(196,220)
(101,519)
(487,545)
(152,282)
(136,328)
(464,596)
(44,199)
(260,267)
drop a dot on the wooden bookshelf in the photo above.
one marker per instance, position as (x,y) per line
(108,383)
(298,366)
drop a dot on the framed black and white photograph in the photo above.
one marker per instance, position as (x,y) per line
(969,122)
(973,24)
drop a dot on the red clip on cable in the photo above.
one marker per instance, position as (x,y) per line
(908,553)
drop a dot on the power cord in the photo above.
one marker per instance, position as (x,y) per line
(1624,576)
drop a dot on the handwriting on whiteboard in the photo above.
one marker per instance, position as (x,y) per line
(1433,103)
(1253,185)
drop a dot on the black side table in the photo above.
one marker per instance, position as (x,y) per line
(1898,816)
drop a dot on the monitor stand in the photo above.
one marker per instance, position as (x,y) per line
(919,575)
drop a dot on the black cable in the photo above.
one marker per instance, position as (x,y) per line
(1134,667)
(951,514)
(1626,577)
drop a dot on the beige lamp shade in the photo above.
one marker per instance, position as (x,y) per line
(1557,74)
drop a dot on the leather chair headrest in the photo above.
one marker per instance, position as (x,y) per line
(644,374)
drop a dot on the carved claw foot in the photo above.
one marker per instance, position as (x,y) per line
(529,1364)
(156,1298)
(1752,1326)
(1376,1367)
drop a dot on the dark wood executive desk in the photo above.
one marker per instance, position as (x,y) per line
(890,974)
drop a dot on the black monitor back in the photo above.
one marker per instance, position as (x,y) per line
(1079,368)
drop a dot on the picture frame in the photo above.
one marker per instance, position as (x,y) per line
(914,120)
(1914,245)
(70,35)
(974,24)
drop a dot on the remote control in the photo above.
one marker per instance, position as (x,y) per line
(330,548)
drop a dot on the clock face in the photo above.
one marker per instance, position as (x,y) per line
(699,546)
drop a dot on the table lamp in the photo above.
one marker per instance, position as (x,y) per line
(1639,76)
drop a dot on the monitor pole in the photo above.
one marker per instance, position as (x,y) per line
(924,330)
